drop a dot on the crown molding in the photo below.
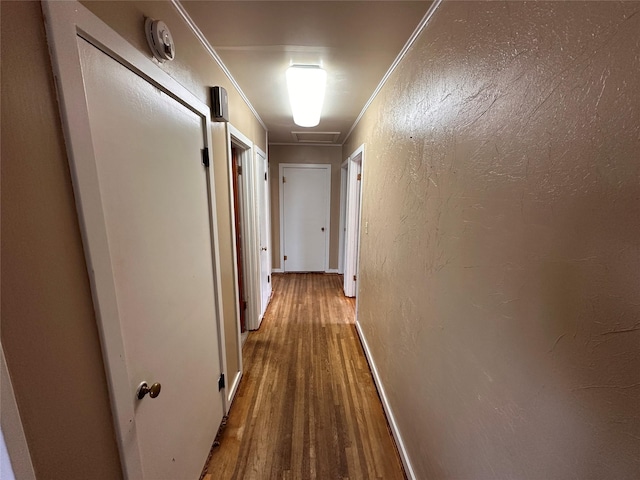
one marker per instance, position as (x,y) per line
(414,36)
(200,36)
(280,144)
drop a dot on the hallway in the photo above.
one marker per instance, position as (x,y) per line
(307,406)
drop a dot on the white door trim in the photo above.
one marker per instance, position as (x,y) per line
(65,22)
(327,168)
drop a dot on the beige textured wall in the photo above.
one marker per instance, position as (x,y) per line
(304,154)
(49,331)
(500,278)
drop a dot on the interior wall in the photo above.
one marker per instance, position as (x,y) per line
(331,155)
(49,331)
(15,460)
(500,277)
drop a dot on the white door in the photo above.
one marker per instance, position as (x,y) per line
(263,198)
(344,176)
(305,220)
(353,224)
(153,188)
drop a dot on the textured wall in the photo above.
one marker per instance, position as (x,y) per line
(500,278)
(304,154)
(49,331)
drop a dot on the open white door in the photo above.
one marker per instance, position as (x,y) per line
(145,202)
(344,177)
(264,215)
(352,242)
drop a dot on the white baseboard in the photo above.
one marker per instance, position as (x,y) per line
(234,389)
(408,468)
(279,270)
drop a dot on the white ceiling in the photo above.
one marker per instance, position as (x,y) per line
(356,42)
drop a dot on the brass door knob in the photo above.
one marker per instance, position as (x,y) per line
(144,388)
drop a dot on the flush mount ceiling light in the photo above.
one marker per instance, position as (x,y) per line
(306,85)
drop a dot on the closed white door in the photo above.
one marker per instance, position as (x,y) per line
(262,179)
(153,188)
(305,198)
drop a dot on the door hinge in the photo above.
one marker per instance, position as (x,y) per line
(359,176)
(355,278)
(284,180)
(285,257)
(265,176)
(205,157)
(239,169)
(268,278)
(221,382)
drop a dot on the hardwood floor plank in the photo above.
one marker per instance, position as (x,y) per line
(306,407)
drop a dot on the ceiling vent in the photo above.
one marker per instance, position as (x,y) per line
(315,137)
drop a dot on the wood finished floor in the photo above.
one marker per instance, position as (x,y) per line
(307,407)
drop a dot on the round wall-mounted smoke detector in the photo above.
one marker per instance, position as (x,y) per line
(160,39)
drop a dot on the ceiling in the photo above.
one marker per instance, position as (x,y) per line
(355,42)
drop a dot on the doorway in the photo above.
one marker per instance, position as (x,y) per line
(245,248)
(250,233)
(236,171)
(304,201)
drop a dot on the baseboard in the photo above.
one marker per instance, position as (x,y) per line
(332,270)
(408,468)
(234,388)
(277,270)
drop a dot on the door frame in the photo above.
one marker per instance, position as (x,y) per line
(65,22)
(353,221)
(236,190)
(327,168)
(235,377)
(250,240)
